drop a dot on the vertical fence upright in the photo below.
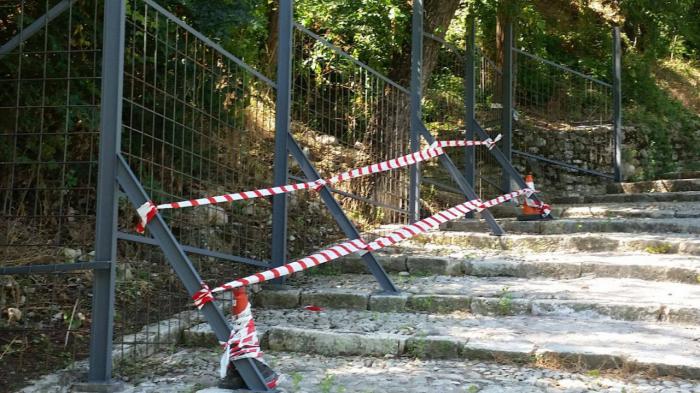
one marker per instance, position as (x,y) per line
(617,103)
(106,220)
(507,104)
(469,103)
(282,124)
(416,117)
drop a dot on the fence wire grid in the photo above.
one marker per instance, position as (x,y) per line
(560,105)
(346,115)
(444,112)
(49,112)
(197,122)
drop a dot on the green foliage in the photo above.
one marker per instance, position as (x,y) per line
(662,248)
(327,383)
(472,389)
(374,31)
(577,34)
(240,26)
(296,381)
(505,301)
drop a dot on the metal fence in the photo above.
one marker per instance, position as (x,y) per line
(445,111)
(343,107)
(49,109)
(99,115)
(560,106)
(196,123)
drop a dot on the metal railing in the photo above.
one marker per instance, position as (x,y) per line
(344,110)
(563,106)
(49,109)
(446,110)
(100,115)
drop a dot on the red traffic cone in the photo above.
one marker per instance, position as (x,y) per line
(533,210)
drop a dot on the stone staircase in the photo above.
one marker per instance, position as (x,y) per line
(613,284)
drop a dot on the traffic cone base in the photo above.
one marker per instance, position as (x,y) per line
(531,209)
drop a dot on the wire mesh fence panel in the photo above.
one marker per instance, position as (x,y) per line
(444,114)
(152,306)
(197,124)
(344,116)
(488,110)
(556,107)
(49,114)
(47,326)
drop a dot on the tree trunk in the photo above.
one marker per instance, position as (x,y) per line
(438,15)
(505,14)
(271,43)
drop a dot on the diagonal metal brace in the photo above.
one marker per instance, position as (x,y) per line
(183,267)
(505,164)
(337,212)
(458,177)
(35,27)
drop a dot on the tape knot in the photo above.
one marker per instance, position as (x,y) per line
(146,212)
(490,143)
(203,296)
(319,184)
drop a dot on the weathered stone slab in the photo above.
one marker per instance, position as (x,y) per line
(276,298)
(388,303)
(332,343)
(495,267)
(434,347)
(500,306)
(561,270)
(336,298)
(427,265)
(437,303)
(355,264)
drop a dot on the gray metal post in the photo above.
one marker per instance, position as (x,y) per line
(617,103)
(188,275)
(462,183)
(282,125)
(416,118)
(106,220)
(469,102)
(340,217)
(507,98)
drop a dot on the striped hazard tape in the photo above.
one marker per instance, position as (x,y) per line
(358,245)
(148,210)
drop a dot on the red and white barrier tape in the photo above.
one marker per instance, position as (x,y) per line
(243,341)
(149,209)
(360,246)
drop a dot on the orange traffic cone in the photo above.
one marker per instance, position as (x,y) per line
(243,343)
(530,207)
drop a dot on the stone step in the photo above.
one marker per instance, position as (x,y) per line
(586,225)
(313,373)
(614,210)
(666,185)
(589,242)
(586,297)
(687,196)
(445,260)
(553,341)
